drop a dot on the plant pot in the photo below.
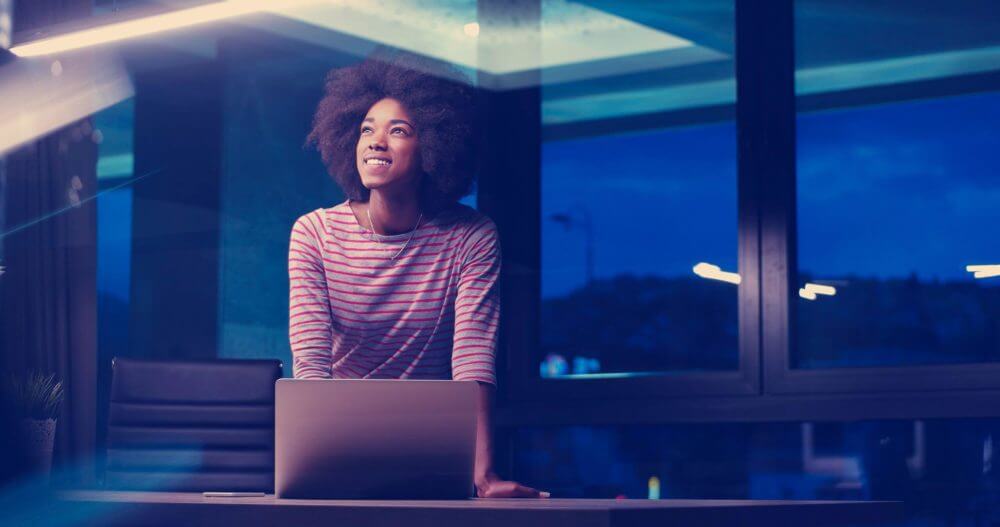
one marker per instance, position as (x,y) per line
(39,435)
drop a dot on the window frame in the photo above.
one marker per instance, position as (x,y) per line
(780,262)
(765,387)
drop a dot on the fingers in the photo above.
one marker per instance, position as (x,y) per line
(510,489)
(521,491)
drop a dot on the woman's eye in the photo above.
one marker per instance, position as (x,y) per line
(365,129)
(400,130)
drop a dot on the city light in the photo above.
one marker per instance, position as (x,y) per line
(146,26)
(471,29)
(654,488)
(554,365)
(820,289)
(713,272)
(807,294)
(983,271)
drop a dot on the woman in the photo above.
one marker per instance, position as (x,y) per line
(400,280)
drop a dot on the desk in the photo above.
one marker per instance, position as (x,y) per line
(175,509)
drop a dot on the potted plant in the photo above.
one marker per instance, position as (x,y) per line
(35,398)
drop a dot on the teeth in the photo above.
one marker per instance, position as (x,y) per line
(377,162)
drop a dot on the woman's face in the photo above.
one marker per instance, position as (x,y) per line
(387,153)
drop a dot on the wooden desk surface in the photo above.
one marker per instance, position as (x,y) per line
(168,508)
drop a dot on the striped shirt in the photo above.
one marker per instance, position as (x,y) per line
(433,313)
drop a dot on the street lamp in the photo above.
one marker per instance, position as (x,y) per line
(583,221)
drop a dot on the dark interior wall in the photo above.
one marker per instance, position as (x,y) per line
(175,220)
(222,176)
(268,180)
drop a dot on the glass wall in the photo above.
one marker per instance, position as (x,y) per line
(639,206)
(897,186)
(201,173)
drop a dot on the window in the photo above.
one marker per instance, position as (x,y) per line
(639,232)
(897,186)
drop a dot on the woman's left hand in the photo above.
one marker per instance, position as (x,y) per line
(492,486)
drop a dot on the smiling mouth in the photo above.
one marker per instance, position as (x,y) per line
(374,161)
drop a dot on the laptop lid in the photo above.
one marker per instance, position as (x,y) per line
(367,438)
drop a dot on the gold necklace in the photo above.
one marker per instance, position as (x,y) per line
(372,225)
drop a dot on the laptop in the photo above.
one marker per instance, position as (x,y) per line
(375,439)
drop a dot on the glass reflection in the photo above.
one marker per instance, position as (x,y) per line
(894,185)
(639,210)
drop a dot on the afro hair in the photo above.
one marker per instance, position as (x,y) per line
(438,98)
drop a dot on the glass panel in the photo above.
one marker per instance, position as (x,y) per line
(113,133)
(200,166)
(639,207)
(203,185)
(943,470)
(897,184)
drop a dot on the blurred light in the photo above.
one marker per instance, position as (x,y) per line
(983,271)
(612,375)
(56,68)
(441,30)
(6,23)
(554,365)
(820,289)
(145,26)
(585,365)
(654,488)
(45,217)
(97,136)
(115,166)
(87,83)
(807,294)
(713,272)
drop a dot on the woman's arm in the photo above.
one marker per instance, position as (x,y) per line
(477,305)
(477,323)
(308,304)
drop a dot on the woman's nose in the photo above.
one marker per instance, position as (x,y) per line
(378,141)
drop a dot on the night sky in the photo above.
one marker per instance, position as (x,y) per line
(884,191)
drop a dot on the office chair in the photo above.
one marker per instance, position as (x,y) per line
(191,425)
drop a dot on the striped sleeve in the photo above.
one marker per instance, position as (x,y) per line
(308,305)
(477,306)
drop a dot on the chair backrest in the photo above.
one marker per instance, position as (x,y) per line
(191,425)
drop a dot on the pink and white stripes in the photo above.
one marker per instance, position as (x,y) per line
(433,313)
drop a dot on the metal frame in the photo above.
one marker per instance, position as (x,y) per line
(753,408)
